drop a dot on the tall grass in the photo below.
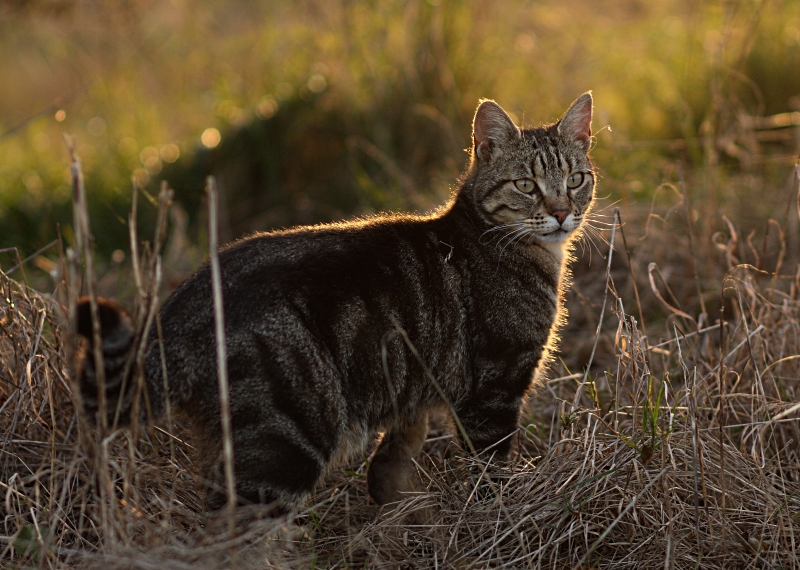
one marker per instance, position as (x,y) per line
(676,449)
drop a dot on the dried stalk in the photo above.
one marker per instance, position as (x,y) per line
(222,362)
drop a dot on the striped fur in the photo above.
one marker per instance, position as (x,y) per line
(318,321)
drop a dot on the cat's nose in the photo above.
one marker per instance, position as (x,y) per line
(560,215)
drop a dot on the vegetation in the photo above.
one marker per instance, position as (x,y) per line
(666,435)
(372,98)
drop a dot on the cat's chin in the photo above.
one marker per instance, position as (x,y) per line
(556,237)
(554,242)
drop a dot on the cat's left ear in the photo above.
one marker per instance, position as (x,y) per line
(576,124)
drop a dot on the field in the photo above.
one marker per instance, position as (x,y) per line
(665,433)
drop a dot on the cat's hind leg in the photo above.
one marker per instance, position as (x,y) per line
(391,469)
(269,467)
(282,444)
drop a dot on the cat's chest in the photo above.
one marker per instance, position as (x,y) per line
(519,302)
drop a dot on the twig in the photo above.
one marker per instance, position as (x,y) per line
(614,523)
(685,336)
(222,363)
(134,239)
(31,256)
(436,385)
(653,266)
(691,240)
(630,269)
(721,414)
(579,391)
(49,109)
(84,244)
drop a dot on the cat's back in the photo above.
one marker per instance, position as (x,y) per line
(329,284)
(327,260)
(347,252)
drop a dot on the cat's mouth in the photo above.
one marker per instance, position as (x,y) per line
(556,236)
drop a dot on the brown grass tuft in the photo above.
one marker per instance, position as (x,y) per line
(681,453)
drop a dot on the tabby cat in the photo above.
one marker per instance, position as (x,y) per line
(336,333)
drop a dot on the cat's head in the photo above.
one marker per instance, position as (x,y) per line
(538,183)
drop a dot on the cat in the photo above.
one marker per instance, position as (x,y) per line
(337,332)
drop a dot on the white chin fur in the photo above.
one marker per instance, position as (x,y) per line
(555,244)
(557,236)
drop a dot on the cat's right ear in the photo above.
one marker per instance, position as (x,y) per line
(492,129)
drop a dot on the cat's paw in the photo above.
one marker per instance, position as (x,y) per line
(390,478)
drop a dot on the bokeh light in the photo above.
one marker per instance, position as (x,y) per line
(210,137)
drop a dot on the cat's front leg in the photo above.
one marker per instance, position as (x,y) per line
(391,469)
(490,420)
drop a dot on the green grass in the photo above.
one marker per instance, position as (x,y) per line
(374,99)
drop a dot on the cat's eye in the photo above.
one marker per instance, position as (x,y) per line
(525,185)
(575,180)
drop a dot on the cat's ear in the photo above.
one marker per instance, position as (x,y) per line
(576,124)
(492,130)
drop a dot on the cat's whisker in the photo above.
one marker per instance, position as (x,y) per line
(501,227)
(590,228)
(513,231)
(509,242)
(594,214)
(587,243)
(591,235)
(516,238)
(595,231)
(511,234)
(581,241)
(606,208)
(600,214)
(599,218)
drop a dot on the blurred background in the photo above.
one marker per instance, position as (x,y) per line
(317,110)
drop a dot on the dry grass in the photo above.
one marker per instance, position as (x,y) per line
(680,452)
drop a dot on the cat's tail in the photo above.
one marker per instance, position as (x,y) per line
(117,340)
